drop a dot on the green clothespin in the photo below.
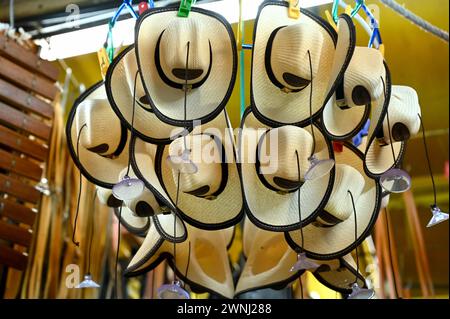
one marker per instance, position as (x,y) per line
(185,8)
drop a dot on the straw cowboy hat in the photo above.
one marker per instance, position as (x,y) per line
(270,175)
(102,152)
(293,59)
(201,260)
(210,195)
(402,110)
(133,223)
(164,42)
(349,108)
(269,260)
(332,235)
(120,88)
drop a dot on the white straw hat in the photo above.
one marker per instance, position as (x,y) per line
(161,50)
(211,197)
(269,261)
(281,71)
(404,110)
(103,148)
(349,108)
(270,175)
(201,260)
(332,235)
(119,83)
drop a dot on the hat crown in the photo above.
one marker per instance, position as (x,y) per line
(346,179)
(362,79)
(205,154)
(277,155)
(173,51)
(403,114)
(289,57)
(102,133)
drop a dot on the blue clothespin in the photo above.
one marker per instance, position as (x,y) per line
(375,28)
(357,139)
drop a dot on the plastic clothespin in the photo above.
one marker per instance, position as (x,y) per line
(338,147)
(185,8)
(294,9)
(103,61)
(374,25)
(144,6)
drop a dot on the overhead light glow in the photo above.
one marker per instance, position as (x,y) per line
(90,40)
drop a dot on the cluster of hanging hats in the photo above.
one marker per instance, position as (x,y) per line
(155,138)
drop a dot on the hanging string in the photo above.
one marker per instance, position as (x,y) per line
(132,118)
(301,286)
(92,231)
(390,250)
(428,159)
(310,104)
(356,235)
(175,227)
(11,14)
(391,142)
(76,243)
(185,90)
(299,206)
(117,252)
(187,266)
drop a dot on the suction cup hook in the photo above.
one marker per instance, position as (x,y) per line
(128,188)
(318,168)
(87,282)
(303,263)
(182,163)
(172,291)
(438,216)
(361,293)
(395,180)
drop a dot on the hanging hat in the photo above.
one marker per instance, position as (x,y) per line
(349,108)
(269,261)
(332,234)
(210,195)
(291,55)
(204,265)
(403,109)
(161,49)
(120,86)
(103,148)
(270,174)
(133,223)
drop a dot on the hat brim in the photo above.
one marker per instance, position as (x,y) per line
(268,209)
(99,170)
(270,260)
(119,83)
(379,159)
(227,208)
(341,125)
(324,243)
(168,102)
(208,268)
(266,97)
(134,224)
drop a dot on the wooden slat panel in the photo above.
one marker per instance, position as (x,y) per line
(26,79)
(21,166)
(19,189)
(12,258)
(20,98)
(22,144)
(17,212)
(27,58)
(20,120)
(15,234)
